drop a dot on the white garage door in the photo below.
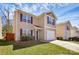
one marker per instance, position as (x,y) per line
(50,35)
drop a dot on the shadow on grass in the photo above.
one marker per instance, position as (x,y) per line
(4,42)
(20,44)
(25,44)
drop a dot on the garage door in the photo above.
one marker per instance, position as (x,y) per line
(50,35)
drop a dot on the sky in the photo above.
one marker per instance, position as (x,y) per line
(63,11)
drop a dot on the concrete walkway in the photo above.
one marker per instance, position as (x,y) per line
(67,45)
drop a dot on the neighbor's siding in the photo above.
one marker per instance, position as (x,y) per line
(60,30)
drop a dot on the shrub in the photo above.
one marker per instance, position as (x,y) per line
(60,38)
(26,38)
(74,39)
(70,39)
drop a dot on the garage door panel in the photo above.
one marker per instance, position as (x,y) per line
(50,35)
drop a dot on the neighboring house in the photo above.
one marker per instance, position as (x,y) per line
(0,28)
(74,32)
(63,30)
(42,27)
(78,33)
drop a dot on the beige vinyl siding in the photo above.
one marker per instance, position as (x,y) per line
(60,30)
(39,24)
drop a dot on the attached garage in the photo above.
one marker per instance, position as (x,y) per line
(51,35)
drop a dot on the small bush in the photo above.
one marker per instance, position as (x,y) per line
(74,39)
(26,38)
(60,38)
(70,39)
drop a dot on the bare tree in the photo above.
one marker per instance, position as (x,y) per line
(5,10)
(6,14)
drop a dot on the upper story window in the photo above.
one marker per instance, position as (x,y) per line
(50,20)
(53,23)
(24,18)
(30,19)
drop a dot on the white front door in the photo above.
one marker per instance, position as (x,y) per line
(50,35)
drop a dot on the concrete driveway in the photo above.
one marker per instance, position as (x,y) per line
(67,45)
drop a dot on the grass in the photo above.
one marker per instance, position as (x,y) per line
(45,49)
(5,47)
(6,50)
(34,49)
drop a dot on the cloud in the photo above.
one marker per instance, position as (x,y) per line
(62,10)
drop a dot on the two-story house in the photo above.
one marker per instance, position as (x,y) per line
(78,33)
(74,32)
(42,27)
(63,30)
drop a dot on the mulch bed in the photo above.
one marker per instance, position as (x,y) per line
(24,44)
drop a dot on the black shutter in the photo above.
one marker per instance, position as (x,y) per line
(20,32)
(31,20)
(31,32)
(21,17)
(48,20)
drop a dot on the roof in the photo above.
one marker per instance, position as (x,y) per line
(37,27)
(74,27)
(64,23)
(18,10)
(52,14)
(40,14)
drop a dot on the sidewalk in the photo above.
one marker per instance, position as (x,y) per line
(67,45)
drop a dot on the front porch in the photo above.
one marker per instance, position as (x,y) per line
(37,29)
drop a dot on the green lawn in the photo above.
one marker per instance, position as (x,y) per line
(44,49)
(35,49)
(6,50)
(5,47)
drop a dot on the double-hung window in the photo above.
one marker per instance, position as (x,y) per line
(30,32)
(50,20)
(24,18)
(30,19)
(53,23)
(26,32)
